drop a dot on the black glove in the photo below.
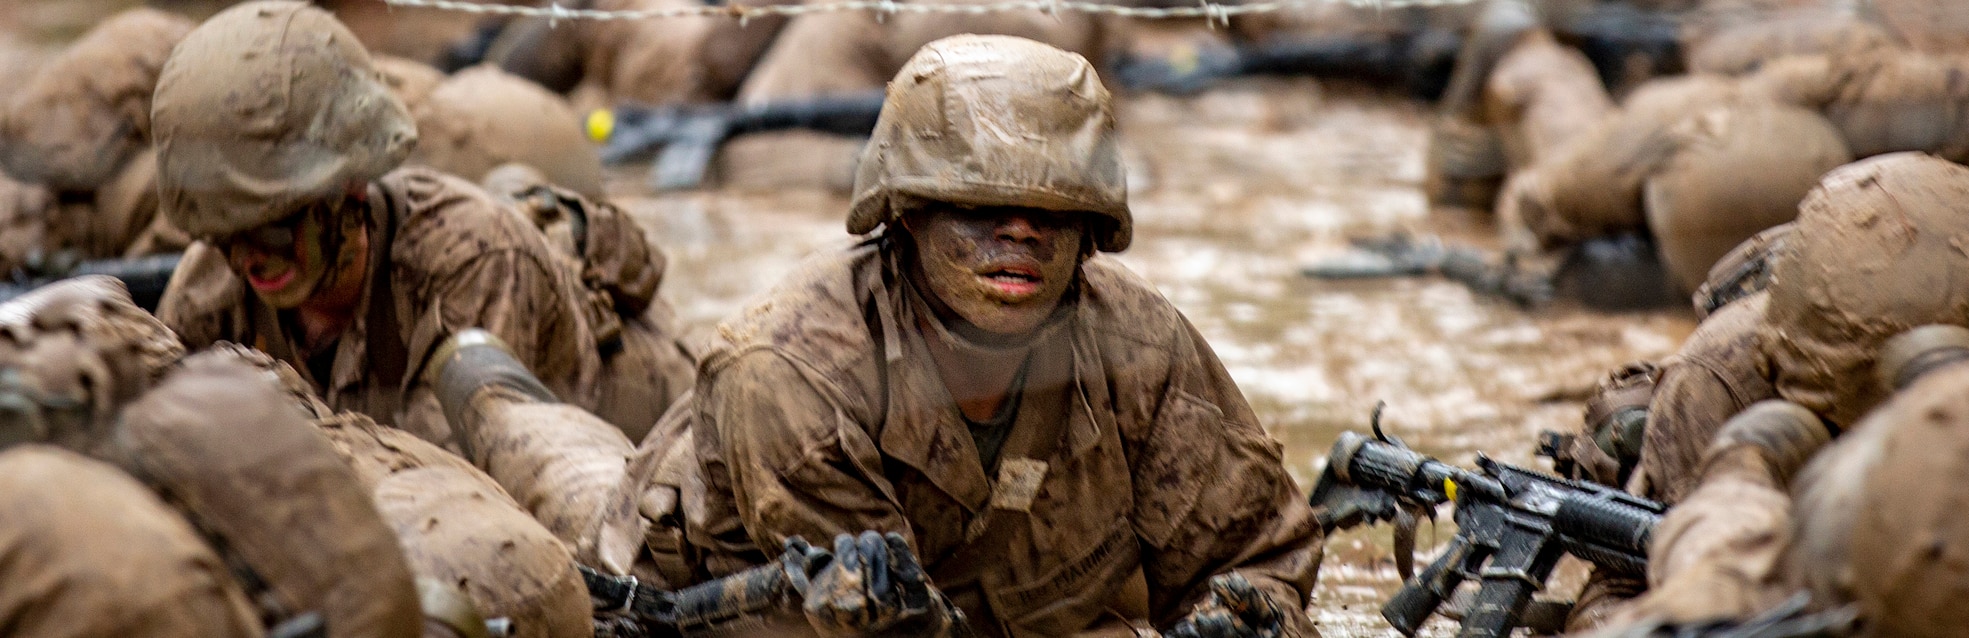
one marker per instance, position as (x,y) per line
(1235,609)
(875,587)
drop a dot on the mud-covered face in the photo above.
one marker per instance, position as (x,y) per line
(283,262)
(1002,269)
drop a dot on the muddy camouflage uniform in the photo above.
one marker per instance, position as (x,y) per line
(108,559)
(456,259)
(1862,526)
(444,255)
(78,132)
(311,510)
(89,371)
(1842,280)
(1782,92)
(1134,469)
(1694,162)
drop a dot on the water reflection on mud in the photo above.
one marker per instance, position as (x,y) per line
(1233,190)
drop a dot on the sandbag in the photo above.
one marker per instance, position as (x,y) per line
(221,441)
(89,552)
(1738,170)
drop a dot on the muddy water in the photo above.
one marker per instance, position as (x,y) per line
(1232,192)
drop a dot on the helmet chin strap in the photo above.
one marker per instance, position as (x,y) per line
(347,219)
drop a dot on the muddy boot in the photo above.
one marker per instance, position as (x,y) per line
(474,360)
(1912,354)
(1466,163)
(563,464)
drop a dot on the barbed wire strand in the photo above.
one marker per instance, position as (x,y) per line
(1215,12)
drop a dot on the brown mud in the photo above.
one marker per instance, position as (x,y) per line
(1232,191)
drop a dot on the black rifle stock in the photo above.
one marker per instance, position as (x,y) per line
(1613,36)
(1402,255)
(1513,525)
(690,134)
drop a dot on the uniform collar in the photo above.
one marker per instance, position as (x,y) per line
(935,440)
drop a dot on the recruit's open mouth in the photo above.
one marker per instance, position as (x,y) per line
(1014,281)
(266,275)
(272,284)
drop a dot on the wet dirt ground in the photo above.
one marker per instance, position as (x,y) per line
(1233,191)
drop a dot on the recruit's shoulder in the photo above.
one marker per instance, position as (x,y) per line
(443,223)
(814,318)
(1126,309)
(204,301)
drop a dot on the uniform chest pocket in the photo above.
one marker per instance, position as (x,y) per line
(1075,592)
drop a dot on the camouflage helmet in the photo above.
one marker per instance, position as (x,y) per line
(1877,249)
(986,120)
(265,108)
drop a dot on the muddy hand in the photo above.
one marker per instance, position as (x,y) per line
(875,586)
(1235,609)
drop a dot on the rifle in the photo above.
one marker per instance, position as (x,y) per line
(1513,525)
(146,277)
(1611,35)
(747,594)
(1421,62)
(690,133)
(735,604)
(1401,255)
(310,625)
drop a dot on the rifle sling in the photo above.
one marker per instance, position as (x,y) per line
(626,594)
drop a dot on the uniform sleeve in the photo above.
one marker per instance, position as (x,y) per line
(520,299)
(204,300)
(1689,407)
(1213,496)
(797,465)
(1715,376)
